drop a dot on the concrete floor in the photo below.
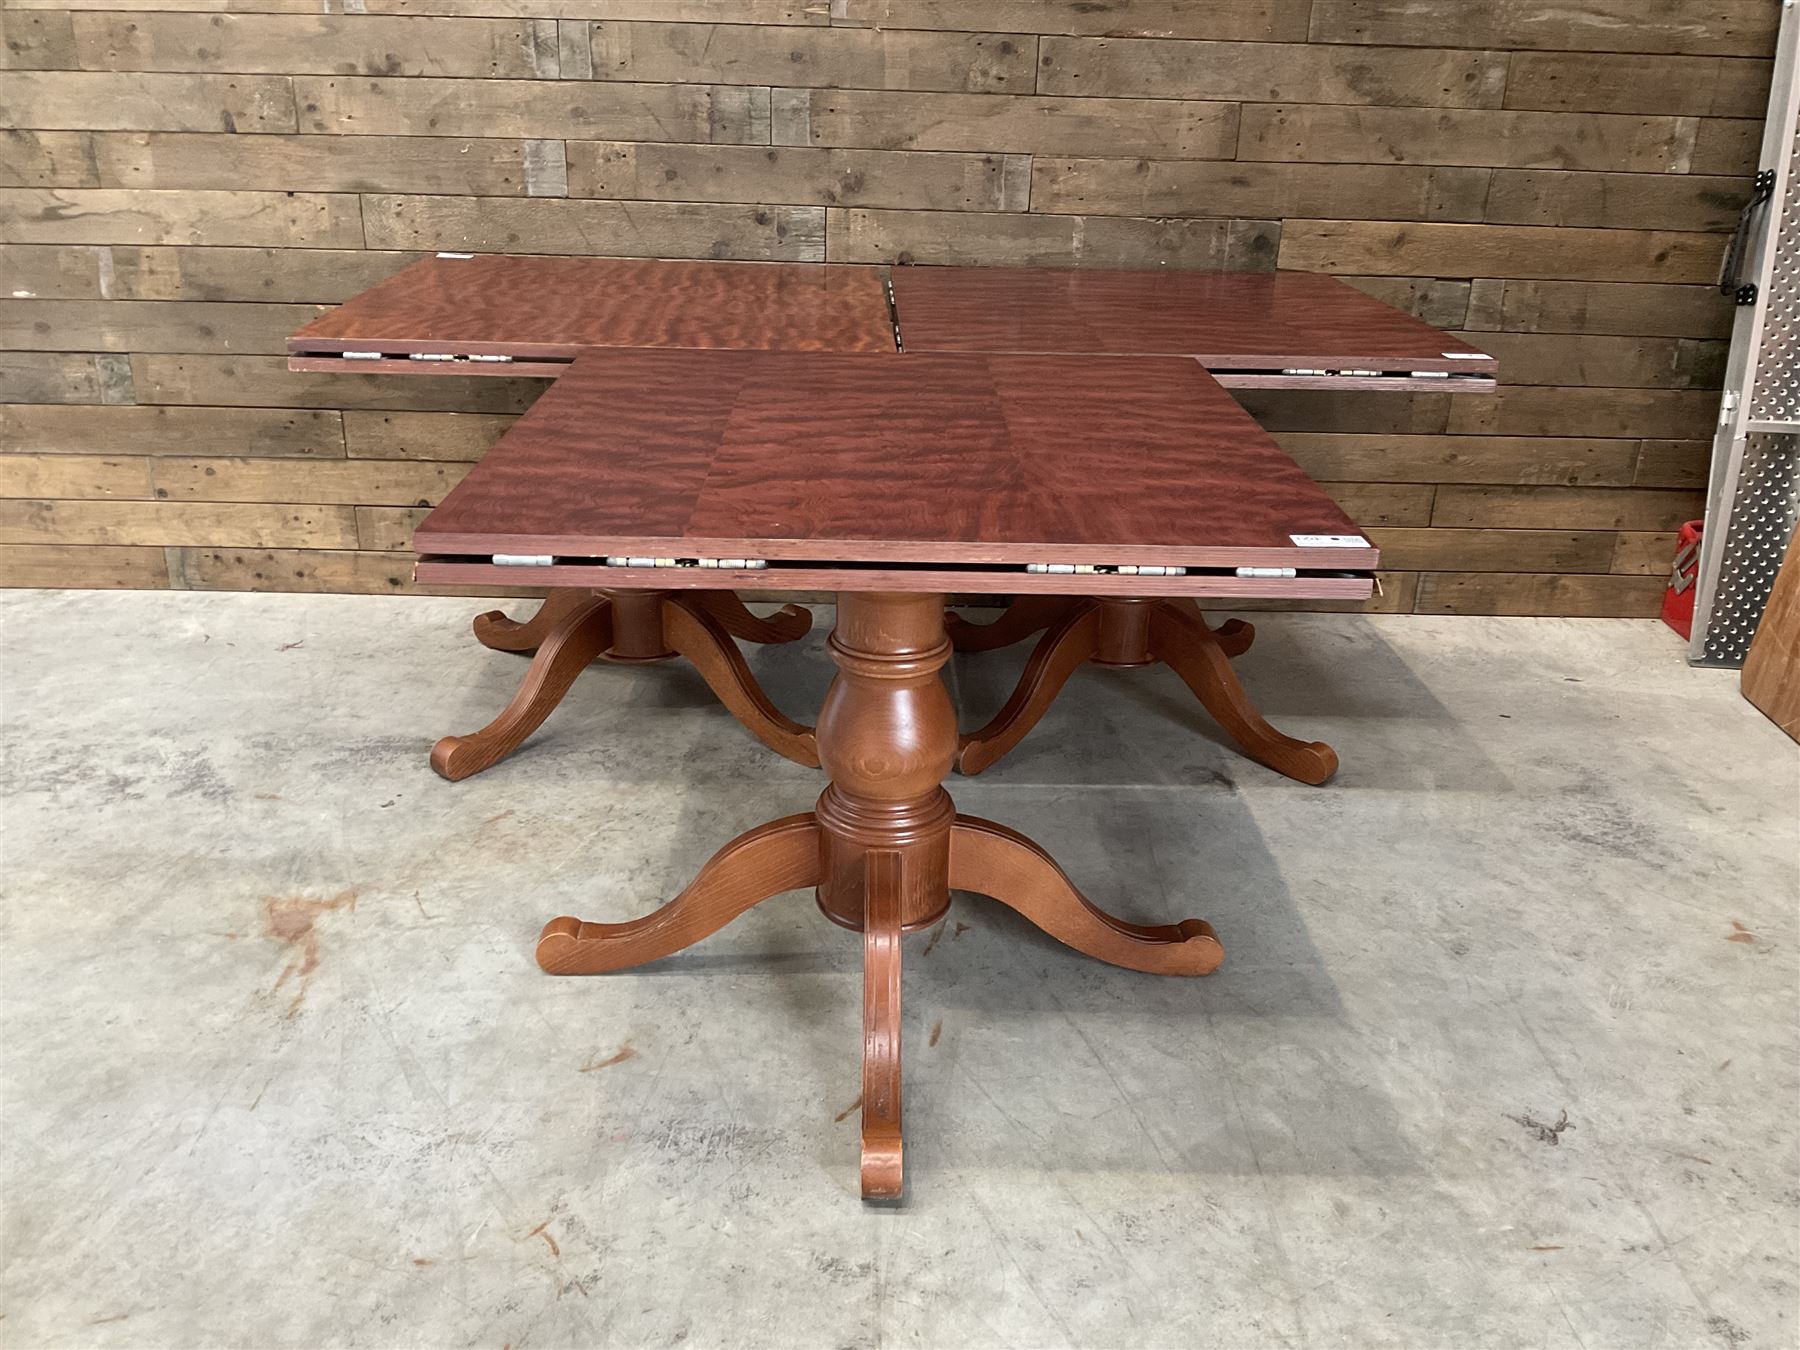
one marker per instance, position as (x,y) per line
(278,1069)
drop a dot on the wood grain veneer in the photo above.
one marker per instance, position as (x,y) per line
(1227,320)
(557,307)
(942,459)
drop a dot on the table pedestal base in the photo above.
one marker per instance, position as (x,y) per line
(573,628)
(1129,632)
(884,847)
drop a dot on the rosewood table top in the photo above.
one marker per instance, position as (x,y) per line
(539,313)
(958,461)
(1245,327)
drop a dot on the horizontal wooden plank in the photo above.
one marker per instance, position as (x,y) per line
(1614,362)
(266,382)
(1440,303)
(740,11)
(276,275)
(850,58)
(373,482)
(84,477)
(1647,554)
(1269,72)
(1723,146)
(148,325)
(1690,86)
(1626,309)
(69,429)
(1463,459)
(336,572)
(200,523)
(968,238)
(76,567)
(152,6)
(798,176)
(618,229)
(1372,504)
(1505,251)
(1673,463)
(881,120)
(1636,413)
(1140,187)
(125,272)
(1394,593)
(388,528)
(173,159)
(50,271)
(64,377)
(737,114)
(47,159)
(427,435)
(1357,411)
(1620,201)
(116,216)
(1311,133)
(94,101)
(1249,20)
(1577,594)
(1563,508)
(36,40)
(323,44)
(1717,27)
(1447,550)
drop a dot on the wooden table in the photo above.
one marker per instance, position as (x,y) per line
(506,315)
(513,315)
(655,477)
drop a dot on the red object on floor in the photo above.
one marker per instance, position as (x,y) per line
(1678,600)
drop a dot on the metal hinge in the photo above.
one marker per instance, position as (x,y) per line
(1267,572)
(523,560)
(736,564)
(1103,569)
(1727,405)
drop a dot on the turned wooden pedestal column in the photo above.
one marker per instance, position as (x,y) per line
(883,848)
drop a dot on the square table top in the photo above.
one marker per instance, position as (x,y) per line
(1229,321)
(957,461)
(554,308)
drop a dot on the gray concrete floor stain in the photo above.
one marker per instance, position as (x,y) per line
(1504,1052)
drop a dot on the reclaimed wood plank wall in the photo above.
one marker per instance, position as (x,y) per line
(183,182)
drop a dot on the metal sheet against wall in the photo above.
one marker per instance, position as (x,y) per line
(1762,521)
(1776,397)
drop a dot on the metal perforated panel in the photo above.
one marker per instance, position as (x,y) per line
(1762,520)
(1776,396)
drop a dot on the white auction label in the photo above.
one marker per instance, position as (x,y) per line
(1329,541)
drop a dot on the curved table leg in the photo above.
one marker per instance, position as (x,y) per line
(1189,648)
(695,634)
(493,629)
(1234,635)
(581,635)
(993,860)
(883,1169)
(790,623)
(1060,652)
(1027,614)
(782,855)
